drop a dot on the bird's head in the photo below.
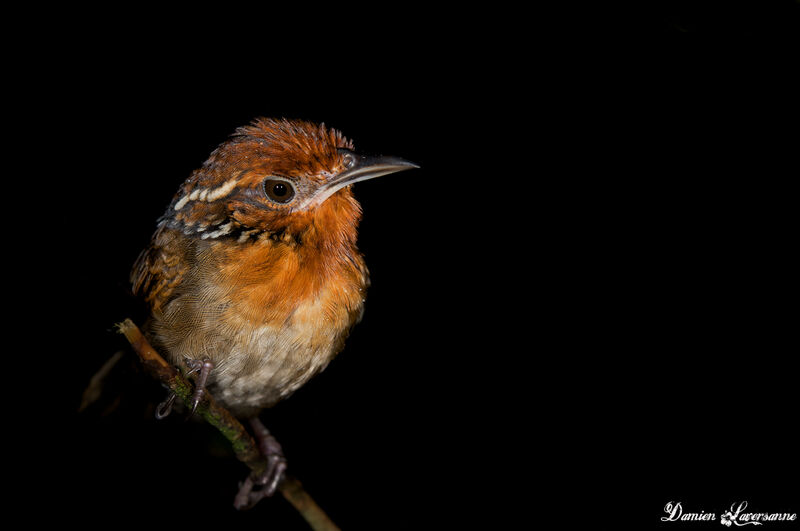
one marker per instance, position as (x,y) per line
(277,179)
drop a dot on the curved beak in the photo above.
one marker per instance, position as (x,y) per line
(370,167)
(363,168)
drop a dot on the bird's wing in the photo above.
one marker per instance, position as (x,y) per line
(160,268)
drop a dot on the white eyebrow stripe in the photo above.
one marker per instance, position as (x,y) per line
(204,194)
(221,191)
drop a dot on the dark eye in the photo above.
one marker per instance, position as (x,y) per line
(348,159)
(278,190)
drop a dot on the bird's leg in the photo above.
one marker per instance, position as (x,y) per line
(272,450)
(204,369)
(272,475)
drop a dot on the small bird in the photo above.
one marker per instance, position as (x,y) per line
(253,278)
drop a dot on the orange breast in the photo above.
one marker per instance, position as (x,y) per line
(270,313)
(289,315)
(270,282)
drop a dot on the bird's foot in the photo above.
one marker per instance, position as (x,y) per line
(270,478)
(203,368)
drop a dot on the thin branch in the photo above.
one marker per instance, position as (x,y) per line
(94,390)
(244,446)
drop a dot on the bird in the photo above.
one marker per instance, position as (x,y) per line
(253,278)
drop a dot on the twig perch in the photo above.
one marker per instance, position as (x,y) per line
(244,446)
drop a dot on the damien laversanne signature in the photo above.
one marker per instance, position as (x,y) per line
(736,515)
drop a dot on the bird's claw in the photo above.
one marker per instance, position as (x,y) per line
(165,408)
(272,475)
(203,368)
(269,480)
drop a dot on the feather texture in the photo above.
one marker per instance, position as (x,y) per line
(265,291)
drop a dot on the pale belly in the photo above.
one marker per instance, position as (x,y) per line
(271,365)
(257,366)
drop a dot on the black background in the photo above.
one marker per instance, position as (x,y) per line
(582,303)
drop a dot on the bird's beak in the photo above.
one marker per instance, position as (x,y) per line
(362,168)
(368,168)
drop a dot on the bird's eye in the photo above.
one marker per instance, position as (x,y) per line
(348,159)
(278,190)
